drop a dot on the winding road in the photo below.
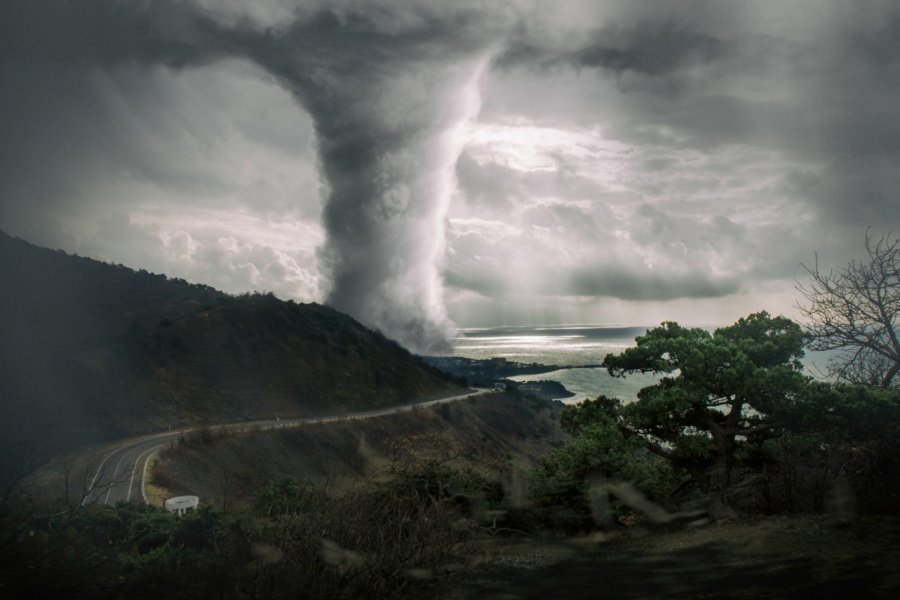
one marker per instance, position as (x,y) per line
(120,474)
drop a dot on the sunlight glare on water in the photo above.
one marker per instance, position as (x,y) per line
(563,346)
(573,346)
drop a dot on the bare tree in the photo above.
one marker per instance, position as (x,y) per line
(87,477)
(855,310)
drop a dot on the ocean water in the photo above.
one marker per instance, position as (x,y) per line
(562,346)
(571,346)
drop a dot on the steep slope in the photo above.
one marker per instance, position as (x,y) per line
(485,429)
(257,356)
(91,351)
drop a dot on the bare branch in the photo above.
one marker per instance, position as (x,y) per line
(855,310)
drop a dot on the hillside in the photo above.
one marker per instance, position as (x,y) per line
(92,351)
(485,429)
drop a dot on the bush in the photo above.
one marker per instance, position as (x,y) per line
(380,540)
(160,476)
(290,496)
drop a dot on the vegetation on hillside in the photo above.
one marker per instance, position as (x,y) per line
(432,507)
(733,426)
(420,496)
(92,351)
(299,541)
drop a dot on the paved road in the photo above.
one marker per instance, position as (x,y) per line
(120,474)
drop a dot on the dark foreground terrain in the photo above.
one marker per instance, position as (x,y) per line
(771,557)
(403,508)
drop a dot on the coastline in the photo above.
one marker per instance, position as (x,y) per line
(580,382)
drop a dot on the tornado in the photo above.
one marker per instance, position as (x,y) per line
(389,95)
(389,84)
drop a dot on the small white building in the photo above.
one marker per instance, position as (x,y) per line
(181,504)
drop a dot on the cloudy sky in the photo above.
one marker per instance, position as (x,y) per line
(429,164)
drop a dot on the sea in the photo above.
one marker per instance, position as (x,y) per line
(578,351)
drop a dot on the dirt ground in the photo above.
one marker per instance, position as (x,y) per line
(773,557)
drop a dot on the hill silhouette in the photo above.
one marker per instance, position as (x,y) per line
(91,351)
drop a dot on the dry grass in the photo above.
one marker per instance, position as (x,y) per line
(156,493)
(341,454)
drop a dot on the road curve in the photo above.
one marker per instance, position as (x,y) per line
(119,476)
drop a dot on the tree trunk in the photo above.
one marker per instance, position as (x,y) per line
(719,505)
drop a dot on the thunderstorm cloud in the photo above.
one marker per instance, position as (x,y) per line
(422,165)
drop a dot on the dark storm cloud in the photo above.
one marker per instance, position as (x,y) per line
(711,138)
(52,50)
(650,48)
(55,102)
(815,83)
(879,46)
(633,284)
(485,282)
(856,191)
(564,250)
(849,128)
(105,31)
(653,47)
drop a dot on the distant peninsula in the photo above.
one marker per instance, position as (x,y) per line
(492,371)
